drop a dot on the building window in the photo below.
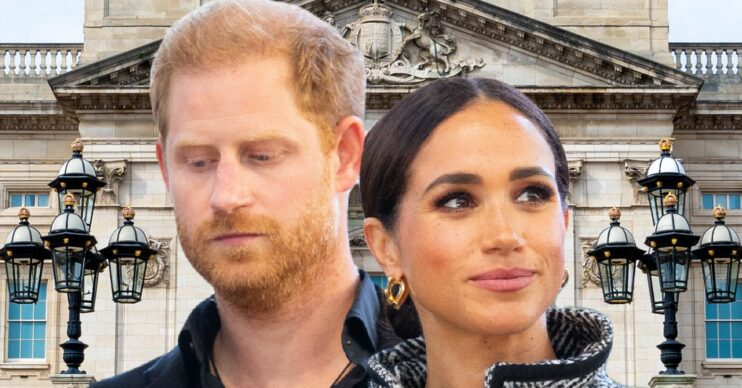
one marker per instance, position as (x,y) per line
(29,200)
(726,200)
(379,280)
(27,329)
(724,328)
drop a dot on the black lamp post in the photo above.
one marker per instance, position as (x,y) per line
(668,259)
(75,260)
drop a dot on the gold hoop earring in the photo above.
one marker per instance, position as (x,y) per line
(565,278)
(396,299)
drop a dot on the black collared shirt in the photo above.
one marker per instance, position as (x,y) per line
(359,336)
(370,325)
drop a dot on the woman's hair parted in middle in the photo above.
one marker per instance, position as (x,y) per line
(394,142)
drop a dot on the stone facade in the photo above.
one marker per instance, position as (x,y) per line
(597,68)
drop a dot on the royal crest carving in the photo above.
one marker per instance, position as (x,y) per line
(113,173)
(158,266)
(590,273)
(398,53)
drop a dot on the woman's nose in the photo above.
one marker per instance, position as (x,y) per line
(500,231)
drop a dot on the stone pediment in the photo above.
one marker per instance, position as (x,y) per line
(501,38)
(118,83)
(410,42)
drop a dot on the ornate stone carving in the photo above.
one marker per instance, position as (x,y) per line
(357,239)
(589,265)
(158,266)
(113,173)
(575,169)
(635,170)
(397,53)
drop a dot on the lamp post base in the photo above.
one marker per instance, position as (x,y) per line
(72,380)
(673,381)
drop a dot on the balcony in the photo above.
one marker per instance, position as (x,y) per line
(38,60)
(707,59)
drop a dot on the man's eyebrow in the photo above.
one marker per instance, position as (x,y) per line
(454,179)
(257,140)
(527,172)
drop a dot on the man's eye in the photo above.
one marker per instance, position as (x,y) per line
(261,157)
(199,164)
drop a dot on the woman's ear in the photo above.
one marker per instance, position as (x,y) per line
(383,246)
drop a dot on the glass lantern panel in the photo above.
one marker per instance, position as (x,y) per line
(617,277)
(68,267)
(673,269)
(127,279)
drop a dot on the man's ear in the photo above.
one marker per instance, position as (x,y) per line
(349,137)
(383,246)
(566,218)
(160,152)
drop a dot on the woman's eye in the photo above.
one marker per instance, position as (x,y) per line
(455,201)
(535,194)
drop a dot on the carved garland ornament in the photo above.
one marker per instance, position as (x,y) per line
(158,266)
(589,265)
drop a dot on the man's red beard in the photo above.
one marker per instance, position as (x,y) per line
(271,269)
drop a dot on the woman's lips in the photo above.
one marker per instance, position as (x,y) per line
(504,280)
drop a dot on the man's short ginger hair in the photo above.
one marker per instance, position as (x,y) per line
(328,75)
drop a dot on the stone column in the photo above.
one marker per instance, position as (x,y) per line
(72,381)
(673,381)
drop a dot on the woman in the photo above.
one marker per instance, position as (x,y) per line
(464,185)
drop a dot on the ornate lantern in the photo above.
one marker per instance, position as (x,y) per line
(94,264)
(77,177)
(648,265)
(671,241)
(616,254)
(128,252)
(719,252)
(69,242)
(664,176)
(24,255)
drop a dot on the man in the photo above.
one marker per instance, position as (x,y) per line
(258,105)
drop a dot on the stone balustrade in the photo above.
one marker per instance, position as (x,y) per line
(707,59)
(38,59)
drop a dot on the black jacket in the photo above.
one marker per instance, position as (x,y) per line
(371,325)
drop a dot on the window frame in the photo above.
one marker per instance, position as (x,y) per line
(45,320)
(24,195)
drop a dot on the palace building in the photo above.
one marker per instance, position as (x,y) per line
(604,72)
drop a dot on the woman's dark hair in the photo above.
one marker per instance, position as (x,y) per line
(393,143)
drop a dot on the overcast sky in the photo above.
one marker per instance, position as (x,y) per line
(27,21)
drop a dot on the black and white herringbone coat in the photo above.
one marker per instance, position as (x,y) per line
(581,339)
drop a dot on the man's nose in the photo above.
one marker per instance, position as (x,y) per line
(233,186)
(500,232)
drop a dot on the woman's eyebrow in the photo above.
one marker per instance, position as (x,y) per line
(527,172)
(454,179)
